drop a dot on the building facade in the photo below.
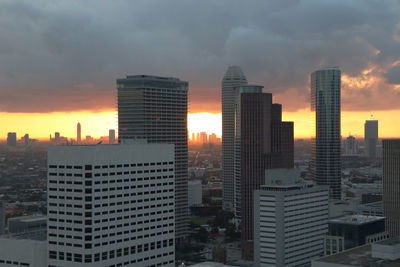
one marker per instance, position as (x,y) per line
(391,185)
(11,139)
(234,77)
(290,220)
(326,140)
(78,133)
(237,144)
(370,138)
(111,136)
(265,143)
(155,108)
(350,146)
(111,205)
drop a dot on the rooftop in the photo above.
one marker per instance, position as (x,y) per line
(356,219)
(362,256)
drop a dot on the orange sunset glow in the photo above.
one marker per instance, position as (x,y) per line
(96,124)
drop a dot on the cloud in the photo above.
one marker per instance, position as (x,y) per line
(66,55)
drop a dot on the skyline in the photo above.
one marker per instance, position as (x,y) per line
(97,124)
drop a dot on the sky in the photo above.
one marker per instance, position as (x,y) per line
(59,59)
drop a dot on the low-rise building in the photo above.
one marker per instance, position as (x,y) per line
(381,254)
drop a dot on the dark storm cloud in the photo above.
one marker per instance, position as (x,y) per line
(66,55)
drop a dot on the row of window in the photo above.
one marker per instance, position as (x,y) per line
(132,250)
(89,167)
(89,198)
(111,242)
(63,189)
(125,180)
(109,173)
(14,263)
(52,219)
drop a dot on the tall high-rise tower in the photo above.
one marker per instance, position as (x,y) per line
(391,185)
(78,133)
(237,145)
(155,108)
(326,143)
(111,136)
(370,138)
(234,77)
(265,143)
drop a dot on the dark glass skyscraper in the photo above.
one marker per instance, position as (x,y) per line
(391,185)
(326,142)
(265,143)
(155,108)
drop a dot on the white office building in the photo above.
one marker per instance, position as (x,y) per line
(290,220)
(111,205)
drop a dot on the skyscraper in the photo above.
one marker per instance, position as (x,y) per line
(155,108)
(203,137)
(26,139)
(11,139)
(264,144)
(350,146)
(326,142)
(78,133)
(111,136)
(370,138)
(391,185)
(234,77)
(237,144)
(111,205)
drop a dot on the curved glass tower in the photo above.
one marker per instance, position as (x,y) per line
(326,142)
(234,77)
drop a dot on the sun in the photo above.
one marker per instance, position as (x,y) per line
(205,122)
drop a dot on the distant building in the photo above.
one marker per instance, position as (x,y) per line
(111,205)
(78,133)
(203,137)
(371,209)
(233,77)
(350,146)
(27,224)
(370,138)
(57,137)
(195,192)
(26,139)
(290,220)
(111,136)
(213,138)
(326,140)
(12,139)
(391,185)
(2,216)
(193,137)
